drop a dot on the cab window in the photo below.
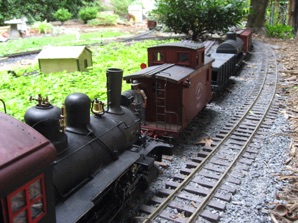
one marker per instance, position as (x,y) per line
(159,56)
(183,58)
(28,203)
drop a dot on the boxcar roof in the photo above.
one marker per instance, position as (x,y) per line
(172,72)
(22,148)
(61,52)
(184,44)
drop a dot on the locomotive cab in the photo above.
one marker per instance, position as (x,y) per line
(184,53)
(25,173)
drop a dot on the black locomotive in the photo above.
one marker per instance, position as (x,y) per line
(83,168)
(66,165)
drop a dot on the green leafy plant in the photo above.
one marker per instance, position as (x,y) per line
(62,15)
(37,43)
(43,27)
(121,6)
(279,31)
(16,89)
(105,19)
(88,13)
(39,10)
(200,17)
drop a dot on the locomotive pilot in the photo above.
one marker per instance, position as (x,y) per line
(140,101)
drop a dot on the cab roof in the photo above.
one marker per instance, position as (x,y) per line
(23,151)
(183,44)
(172,72)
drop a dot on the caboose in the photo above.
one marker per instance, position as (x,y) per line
(177,83)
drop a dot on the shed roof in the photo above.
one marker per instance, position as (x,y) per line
(61,52)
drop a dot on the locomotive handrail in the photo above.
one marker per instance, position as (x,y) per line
(93,140)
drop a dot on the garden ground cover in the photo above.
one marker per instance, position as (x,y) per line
(17,87)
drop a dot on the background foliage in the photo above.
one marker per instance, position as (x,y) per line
(40,10)
(37,10)
(62,15)
(16,89)
(200,17)
(279,31)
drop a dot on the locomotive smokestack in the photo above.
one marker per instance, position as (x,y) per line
(114,85)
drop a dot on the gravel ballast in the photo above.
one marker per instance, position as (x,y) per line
(256,195)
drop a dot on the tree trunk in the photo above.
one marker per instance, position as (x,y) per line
(293,15)
(291,21)
(256,17)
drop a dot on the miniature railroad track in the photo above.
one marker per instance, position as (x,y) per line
(203,187)
(147,35)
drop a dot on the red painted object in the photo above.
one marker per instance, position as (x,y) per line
(246,36)
(186,54)
(25,159)
(177,83)
(17,140)
(151,24)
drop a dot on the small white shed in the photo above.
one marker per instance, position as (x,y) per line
(68,58)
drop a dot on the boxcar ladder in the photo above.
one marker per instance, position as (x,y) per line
(160,106)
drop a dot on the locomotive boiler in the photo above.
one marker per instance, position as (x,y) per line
(98,162)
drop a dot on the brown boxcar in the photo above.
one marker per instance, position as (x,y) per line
(246,36)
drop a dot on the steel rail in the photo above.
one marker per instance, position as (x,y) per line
(219,182)
(162,205)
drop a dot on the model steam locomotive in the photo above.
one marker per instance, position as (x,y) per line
(67,166)
(181,79)
(81,168)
